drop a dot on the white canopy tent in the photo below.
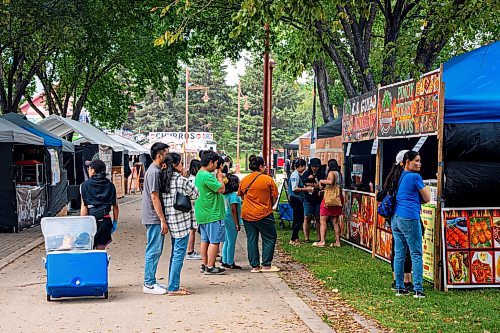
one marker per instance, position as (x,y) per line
(132,147)
(62,126)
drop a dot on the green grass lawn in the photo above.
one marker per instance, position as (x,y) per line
(365,283)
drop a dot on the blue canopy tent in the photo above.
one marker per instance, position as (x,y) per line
(62,150)
(472,127)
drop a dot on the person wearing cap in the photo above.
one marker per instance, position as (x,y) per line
(410,192)
(98,199)
(389,186)
(312,201)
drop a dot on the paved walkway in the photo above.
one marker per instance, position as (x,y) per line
(236,302)
(11,243)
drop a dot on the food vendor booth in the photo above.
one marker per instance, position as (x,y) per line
(91,144)
(132,166)
(408,120)
(58,164)
(359,122)
(22,185)
(470,227)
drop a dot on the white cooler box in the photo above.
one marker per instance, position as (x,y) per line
(69,233)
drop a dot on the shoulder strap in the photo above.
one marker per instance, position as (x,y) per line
(399,183)
(248,187)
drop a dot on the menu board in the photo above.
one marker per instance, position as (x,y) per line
(428,216)
(471,246)
(329,148)
(359,120)
(360,221)
(384,239)
(409,108)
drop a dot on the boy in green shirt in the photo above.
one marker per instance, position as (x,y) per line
(210,211)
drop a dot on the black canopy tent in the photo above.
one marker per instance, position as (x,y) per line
(57,185)
(15,141)
(330,129)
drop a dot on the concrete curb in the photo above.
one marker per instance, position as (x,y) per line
(301,309)
(34,244)
(22,251)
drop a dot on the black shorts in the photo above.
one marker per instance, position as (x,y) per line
(103,235)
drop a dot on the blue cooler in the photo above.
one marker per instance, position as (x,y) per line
(77,273)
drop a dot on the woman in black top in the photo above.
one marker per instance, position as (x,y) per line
(98,198)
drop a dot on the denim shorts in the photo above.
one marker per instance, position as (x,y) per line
(311,208)
(213,232)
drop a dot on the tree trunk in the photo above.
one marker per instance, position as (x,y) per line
(390,40)
(322,84)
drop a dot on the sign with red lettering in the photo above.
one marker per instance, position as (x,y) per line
(409,108)
(359,121)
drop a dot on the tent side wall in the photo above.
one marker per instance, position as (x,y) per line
(472,165)
(8,218)
(57,194)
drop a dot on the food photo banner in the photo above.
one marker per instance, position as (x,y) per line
(409,108)
(359,121)
(471,238)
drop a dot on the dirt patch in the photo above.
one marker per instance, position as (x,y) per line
(326,303)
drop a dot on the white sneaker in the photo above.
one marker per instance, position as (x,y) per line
(193,256)
(154,289)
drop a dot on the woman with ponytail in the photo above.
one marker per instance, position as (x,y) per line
(179,222)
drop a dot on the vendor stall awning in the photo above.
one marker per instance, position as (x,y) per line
(472,86)
(62,126)
(132,147)
(330,129)
(295,143)
(12,133)
(50,139)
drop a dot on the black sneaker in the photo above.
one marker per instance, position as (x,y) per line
(393,286)
(409,286)
(402,292)
(225,265)
(202,268)
(419,294)
(214,271)
(233,266)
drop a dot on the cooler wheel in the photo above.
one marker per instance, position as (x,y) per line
(49,298)
(106,295)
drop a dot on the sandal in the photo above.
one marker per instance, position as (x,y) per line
(271,269)
(316,244)
(256,269)
(295,242)
(334,245)
(180,292)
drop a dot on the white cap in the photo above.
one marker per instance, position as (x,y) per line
(400,156)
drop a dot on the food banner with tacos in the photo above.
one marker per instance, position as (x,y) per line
(359,120)
(359,219)
(409,108)
(471,247)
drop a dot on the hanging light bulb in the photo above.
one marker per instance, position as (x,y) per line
(246,106)
(205,97)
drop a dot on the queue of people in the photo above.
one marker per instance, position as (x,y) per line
(209,201)
(308,187)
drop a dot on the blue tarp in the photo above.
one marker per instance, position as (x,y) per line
(472,86)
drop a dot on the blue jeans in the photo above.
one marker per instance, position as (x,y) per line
(229,243)
(154,249)
(179,248)
(407,233)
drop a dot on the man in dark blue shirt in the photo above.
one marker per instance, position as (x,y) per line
(312,201)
